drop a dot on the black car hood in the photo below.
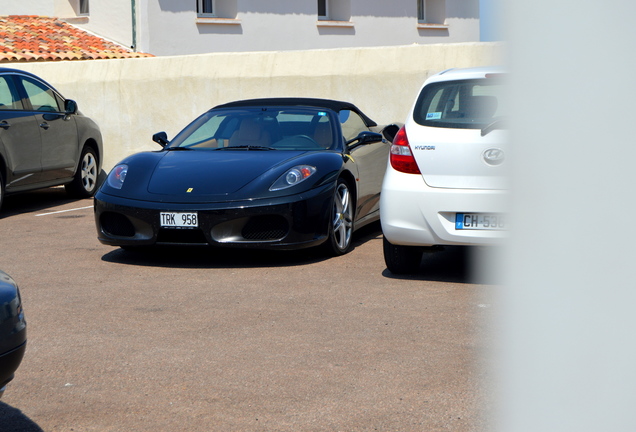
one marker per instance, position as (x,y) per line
(210,173)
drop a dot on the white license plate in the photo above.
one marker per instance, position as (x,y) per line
(479,221)
(179,220)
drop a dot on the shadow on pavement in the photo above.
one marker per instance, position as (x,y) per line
(13,420)
(210,257)
(454,264)
(41,199)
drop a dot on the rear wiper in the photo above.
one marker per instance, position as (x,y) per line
(246,147)
(497,124)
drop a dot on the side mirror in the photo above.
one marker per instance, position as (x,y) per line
(161,138)
(365,137)
(70,106)
(390,131)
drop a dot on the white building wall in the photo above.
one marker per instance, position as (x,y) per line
(280,25)
(110,19)
(49,8)
(171,27)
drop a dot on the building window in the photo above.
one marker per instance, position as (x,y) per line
(83,7)
(334,10)
(421,10)
(217,12)
(205,8)
(323,12)
(431,11)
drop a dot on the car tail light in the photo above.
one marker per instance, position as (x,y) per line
(401,155)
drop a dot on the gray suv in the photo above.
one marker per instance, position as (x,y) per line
(44,140)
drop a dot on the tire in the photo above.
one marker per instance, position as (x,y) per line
(84,184)
(341,221)
(401,259)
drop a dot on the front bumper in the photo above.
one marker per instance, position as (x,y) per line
(9,362)
(414,214)
(282,223)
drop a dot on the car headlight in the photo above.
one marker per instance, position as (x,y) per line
(117,176)
(293,176)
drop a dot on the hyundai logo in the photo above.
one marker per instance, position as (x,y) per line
(493,156)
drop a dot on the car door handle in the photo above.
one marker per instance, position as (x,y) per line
(4,125)
(44,125)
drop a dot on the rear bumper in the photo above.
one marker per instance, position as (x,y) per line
(414,214)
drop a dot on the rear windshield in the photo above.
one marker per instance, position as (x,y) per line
(464,104)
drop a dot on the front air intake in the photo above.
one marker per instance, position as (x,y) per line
(265,228)
(117,225)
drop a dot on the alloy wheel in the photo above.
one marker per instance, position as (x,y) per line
(342,224)
(89,172)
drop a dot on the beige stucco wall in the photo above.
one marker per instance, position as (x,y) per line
(132,99)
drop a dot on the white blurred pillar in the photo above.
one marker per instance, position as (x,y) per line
(567,328)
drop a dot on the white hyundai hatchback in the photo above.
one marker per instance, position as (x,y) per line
(445,182)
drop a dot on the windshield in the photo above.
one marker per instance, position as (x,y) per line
(261,128)
(467,104)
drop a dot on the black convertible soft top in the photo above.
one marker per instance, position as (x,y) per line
(331,104)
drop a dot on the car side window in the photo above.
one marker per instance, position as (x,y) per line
(9,99)
(352,124)
(41,97)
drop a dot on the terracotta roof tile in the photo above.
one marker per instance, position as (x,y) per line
(37,38)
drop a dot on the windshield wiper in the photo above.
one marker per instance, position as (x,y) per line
(497,124)
(178,148)
(246,147)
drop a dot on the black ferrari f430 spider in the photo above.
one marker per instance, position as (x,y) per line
(264,173)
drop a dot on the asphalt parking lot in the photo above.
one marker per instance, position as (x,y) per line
(235,340)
